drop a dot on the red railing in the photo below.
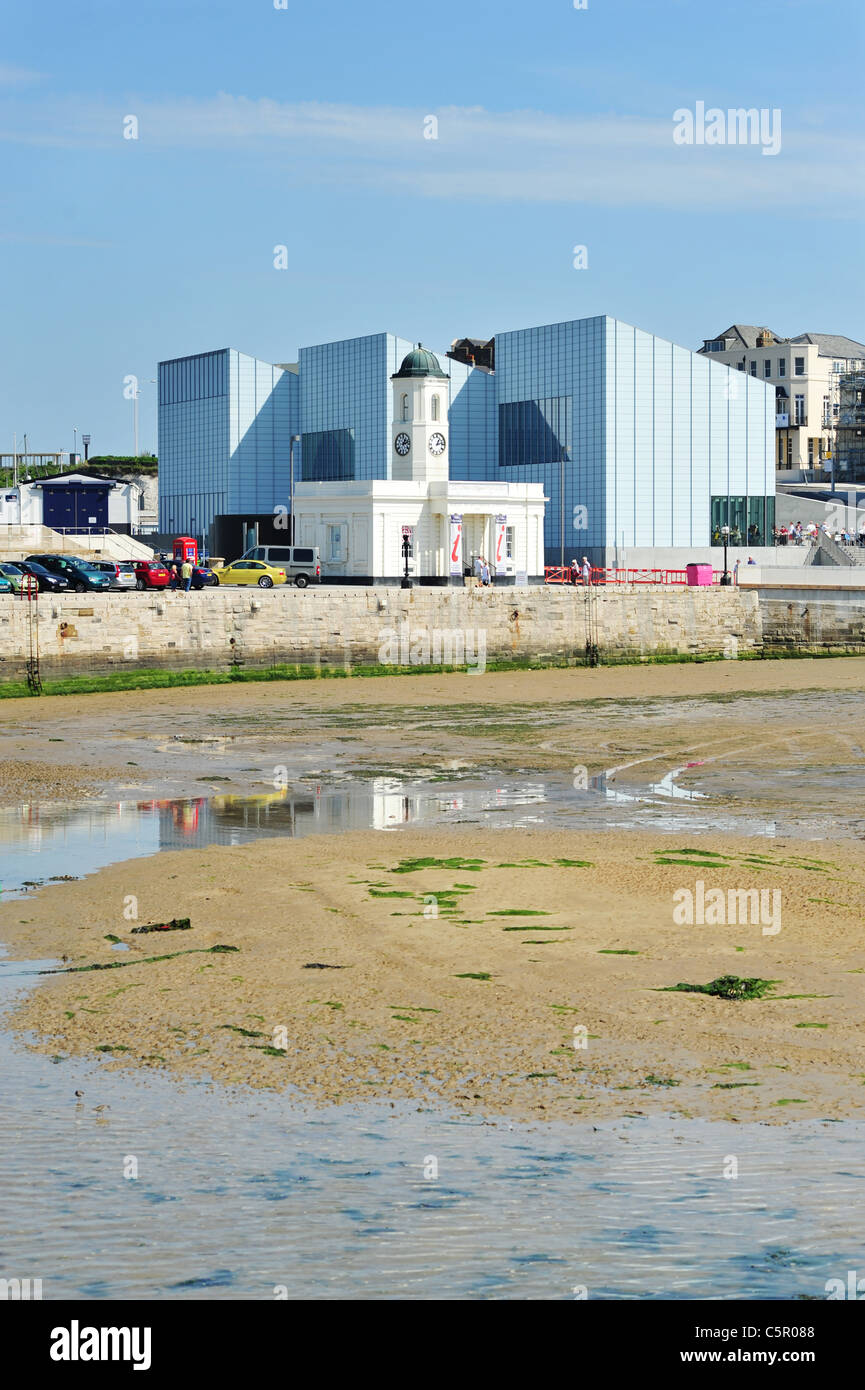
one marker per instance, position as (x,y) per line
(556,574)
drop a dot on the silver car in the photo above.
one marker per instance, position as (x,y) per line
(121,573)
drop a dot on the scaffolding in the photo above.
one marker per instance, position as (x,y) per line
(850,431)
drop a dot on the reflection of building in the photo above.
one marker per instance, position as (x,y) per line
(805,372)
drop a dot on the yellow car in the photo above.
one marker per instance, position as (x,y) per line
(250,572)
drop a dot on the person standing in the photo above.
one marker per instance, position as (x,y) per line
(173,576)
(574,573)
(186,575)
(586,570)
(485,573)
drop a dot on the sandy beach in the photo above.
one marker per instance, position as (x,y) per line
(538,989)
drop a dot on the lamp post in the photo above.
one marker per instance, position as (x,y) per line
(725,577)
(135,394)
(295,439)
(405,582)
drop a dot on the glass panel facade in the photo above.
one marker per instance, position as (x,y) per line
(751,520)
(534,431)
(328,455)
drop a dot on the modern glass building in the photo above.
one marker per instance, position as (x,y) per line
(225,422)
(345,397)
(644,449)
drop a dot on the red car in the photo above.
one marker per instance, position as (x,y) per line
(151,574)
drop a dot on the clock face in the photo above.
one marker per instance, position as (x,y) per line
(437,444)
(402,444)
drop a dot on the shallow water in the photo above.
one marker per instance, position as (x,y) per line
(38,840)
(238,1193)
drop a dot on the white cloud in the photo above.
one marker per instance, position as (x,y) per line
(480,155)
(15,77)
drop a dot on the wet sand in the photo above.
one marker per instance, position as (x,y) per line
(410,1012)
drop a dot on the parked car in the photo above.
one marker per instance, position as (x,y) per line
(5,584)
(302,563)
(48,583)
(15,574)
(203,577)
(251,572)
(151,574)
(121,573)
(83,576)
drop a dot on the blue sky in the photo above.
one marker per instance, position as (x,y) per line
(304,127)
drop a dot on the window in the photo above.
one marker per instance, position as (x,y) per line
(532,432)
(798,366)
(753,368)
(404,407)
(767,368)
(336,543)
(435,407)
(302,557)
(509,542)
(327,455)
(810,453)
(799,410)
(782,367)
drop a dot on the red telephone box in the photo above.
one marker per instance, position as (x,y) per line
(186,548)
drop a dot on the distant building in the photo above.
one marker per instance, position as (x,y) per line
(850,435)
(806,372)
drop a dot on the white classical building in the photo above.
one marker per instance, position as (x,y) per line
(359,526)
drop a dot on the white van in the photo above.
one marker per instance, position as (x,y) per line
(302,563)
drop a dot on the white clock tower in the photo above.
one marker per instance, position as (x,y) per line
(419,434)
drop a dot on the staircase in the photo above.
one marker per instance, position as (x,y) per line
(828,551)
(18,541)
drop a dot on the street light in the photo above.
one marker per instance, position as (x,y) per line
(151,380)
(295,439)
(725,577)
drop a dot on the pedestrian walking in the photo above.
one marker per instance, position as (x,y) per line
(186,575)
(173,577)
(587,570)
(574,573)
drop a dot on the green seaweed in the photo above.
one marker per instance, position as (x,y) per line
(474,975)
(726,987)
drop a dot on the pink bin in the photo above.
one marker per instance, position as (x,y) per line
(699,574)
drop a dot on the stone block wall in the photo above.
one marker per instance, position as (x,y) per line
(345,626)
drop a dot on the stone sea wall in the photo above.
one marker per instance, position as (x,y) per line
(219,628)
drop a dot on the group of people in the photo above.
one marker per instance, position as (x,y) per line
(799,534)
(180,574)
(483,574)
(580,573)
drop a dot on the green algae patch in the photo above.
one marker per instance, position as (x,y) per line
(412,866)
(474,975)
(611,952)
(726,987)
(520,912)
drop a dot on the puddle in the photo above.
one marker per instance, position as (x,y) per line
(80,840)
(238,1193)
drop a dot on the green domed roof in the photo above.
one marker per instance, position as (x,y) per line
(420,362)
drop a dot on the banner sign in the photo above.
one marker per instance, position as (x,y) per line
(500,552)
(456,545)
